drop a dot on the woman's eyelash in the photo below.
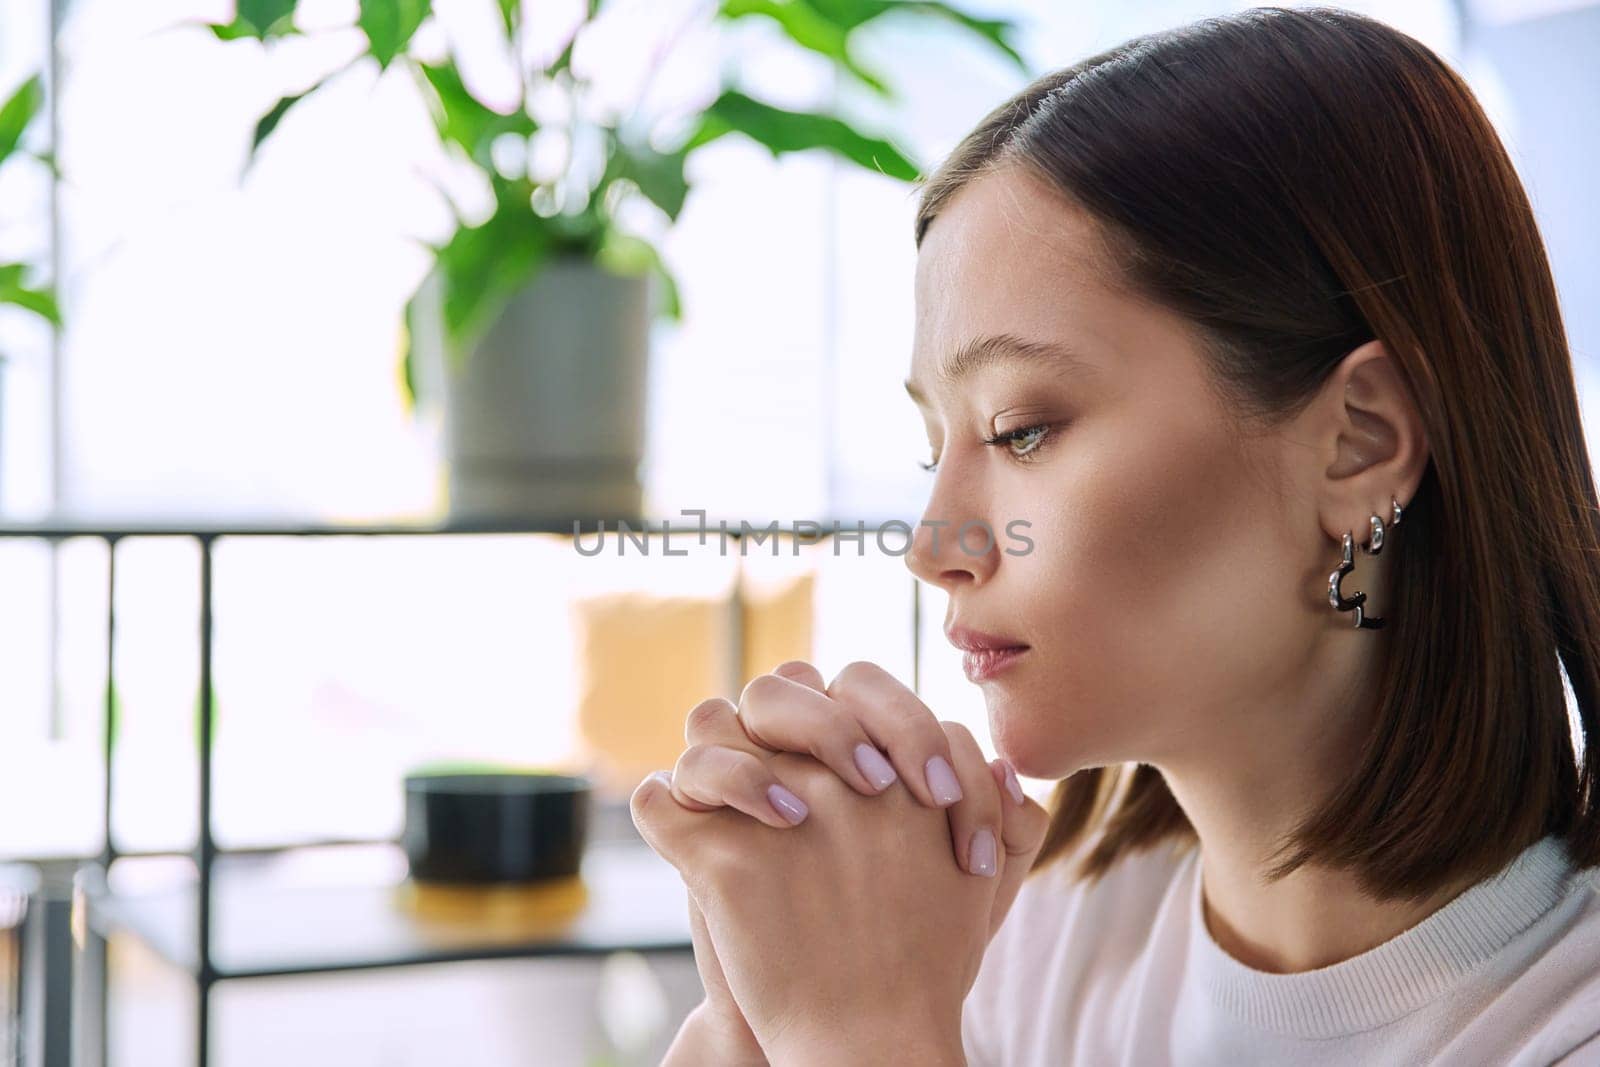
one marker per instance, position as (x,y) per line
(1019,435)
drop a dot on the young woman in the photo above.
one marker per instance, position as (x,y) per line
(1251,324)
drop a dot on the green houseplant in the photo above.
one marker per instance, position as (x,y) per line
(17,113)
(558,235)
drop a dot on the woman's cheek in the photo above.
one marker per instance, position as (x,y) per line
(1064,706)
(1125,591)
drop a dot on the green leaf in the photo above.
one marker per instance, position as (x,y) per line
(624,253)
(258,20)
(216,707)
(408,358)
(808,28)
(480,767)
(480,269)
(233,31)
(796,131)
(264,13)
(40,301)
(483,266)
(113,706)
(49,161)
(510,14)
(671,302)
(997,32)
(659,175)
(390,25)
(848,14)
(19,110)
(563,62)
(269,122)
(462,118)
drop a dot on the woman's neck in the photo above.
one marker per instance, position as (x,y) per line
(1313,917)
(1243,795)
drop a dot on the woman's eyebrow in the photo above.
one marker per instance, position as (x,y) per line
(996,348)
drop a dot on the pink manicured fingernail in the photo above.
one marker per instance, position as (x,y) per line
(1013,786)
(665,777)
(980,853)
(872,764)
(786,803)
(942,781)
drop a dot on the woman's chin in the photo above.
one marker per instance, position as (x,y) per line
(1039,744)
(1024,748)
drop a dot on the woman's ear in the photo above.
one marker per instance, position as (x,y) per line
(1371,430)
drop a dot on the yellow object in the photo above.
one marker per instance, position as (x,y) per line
(646,659)
(778,620)
(535,909)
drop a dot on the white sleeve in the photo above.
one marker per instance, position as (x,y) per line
(1572,1039)
(982,1018)
(1585,1055)
(1582,1036)
(976,1042)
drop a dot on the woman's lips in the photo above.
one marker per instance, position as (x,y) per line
(983,664)
(985,655)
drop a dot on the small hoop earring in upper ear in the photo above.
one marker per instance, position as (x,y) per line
(1372,547)
(1374,543)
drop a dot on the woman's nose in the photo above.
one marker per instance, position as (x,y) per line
(947,551)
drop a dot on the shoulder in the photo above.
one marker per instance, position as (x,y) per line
(1062,936)
(1556,991)
(1563,980)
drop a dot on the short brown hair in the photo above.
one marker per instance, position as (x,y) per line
(1296,183)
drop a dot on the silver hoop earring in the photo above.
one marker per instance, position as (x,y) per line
(1372,547)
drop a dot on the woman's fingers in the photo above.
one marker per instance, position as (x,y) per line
(976,819)
(799,670)
(715,721)
(865,725)
(788,715)
(898,722)
(846,726)
(709,776)
(722,767)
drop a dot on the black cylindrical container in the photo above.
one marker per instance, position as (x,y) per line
(495,827)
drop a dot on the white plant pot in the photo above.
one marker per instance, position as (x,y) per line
(545,418)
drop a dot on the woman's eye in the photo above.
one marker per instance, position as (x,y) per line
(1020,442)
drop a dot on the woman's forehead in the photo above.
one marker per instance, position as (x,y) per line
(1006,245)
(1008,260)
(995,264)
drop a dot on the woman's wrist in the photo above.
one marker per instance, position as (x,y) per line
(704,1038)
(869,1045)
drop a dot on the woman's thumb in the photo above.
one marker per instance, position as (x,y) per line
(1022,832)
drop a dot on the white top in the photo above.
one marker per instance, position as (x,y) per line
(1125,971)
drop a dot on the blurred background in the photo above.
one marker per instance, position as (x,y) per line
(456,274)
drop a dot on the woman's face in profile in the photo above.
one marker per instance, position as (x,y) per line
(1170,594)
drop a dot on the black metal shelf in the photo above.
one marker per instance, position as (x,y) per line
(114,530)
(179,925)
(232,925)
